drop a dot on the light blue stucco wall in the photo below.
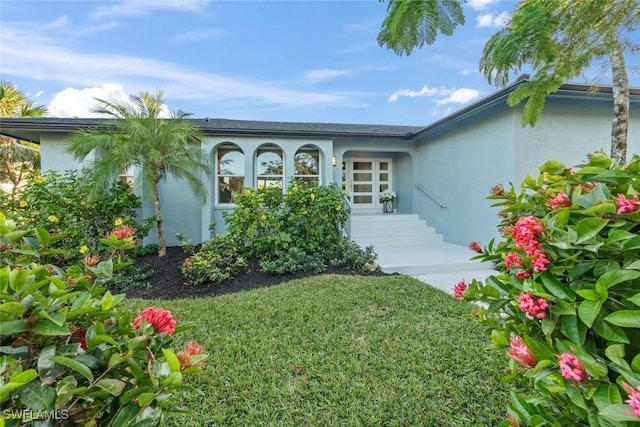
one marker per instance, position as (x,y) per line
(458,165)
(54,156)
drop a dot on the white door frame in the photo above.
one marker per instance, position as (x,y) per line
(368,198)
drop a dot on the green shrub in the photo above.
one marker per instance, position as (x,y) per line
(266,222)
(217,260)
(65,205)
(350,255)
(294,260)
(68,352)
(566,302)
(131,277)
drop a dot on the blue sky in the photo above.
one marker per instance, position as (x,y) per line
(313,61)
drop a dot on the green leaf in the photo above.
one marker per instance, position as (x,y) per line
(74,365)
(107,301)
(576,397)
(17,381)
(615,353)
(48,328)
(553,167)
(618,412)
(609,332)
(145,399)
(563,308)
(625,318)
(13,327)
(172,360)
(635,363)
(125,415)
(574,329)
(111,385)
(45,364)
(43,236)
(604,207)
(612,278)
(18,279)
(12,308)
(588,310)
(605,395)
(635,299)
(556,287)
(38,397)
(589,227)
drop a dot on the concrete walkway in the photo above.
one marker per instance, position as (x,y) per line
(440,265)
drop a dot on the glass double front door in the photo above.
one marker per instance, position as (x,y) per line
(365,180)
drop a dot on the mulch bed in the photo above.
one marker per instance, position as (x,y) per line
(168,282)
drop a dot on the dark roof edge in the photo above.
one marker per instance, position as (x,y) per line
(565,89)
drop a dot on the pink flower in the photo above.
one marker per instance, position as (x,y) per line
(159,318)
(561,200)
(625,205)
(459,289)
(634,398)
(475,246)
(571,367)
(523,275)
(539,260)
(520,353)
(512,259)
(526,231)
(191,349)
(534,309)
(122,232)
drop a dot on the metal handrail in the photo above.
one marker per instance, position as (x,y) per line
(432,197)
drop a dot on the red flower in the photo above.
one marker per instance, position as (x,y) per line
(475,246)
(520,353)
(159,318)
(561,200)
(122,232)
(459,289)
(78,335)
(191,349)
(523,275)
(512,259)
(625,205)
(571,367)
(534,309)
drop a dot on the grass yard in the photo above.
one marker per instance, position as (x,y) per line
(339,350)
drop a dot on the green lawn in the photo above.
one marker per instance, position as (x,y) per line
(339,350)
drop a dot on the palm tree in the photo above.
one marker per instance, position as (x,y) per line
(17,158)
(136,135)
(558,39)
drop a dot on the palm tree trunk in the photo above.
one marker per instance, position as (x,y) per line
(620,89)
(162,243)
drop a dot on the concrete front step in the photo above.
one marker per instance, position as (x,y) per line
(433,258)
(392,229)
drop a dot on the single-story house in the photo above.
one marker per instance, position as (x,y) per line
(441,172)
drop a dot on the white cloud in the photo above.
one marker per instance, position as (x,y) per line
(481,4)
(142,7)
(425,91)
(325,74)
(200,35)
(27,54)
(493,20)
(71,102)
(447,96)
(459,96)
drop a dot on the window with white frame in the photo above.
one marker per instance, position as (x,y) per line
(229,173)
(269,167)
(307,165)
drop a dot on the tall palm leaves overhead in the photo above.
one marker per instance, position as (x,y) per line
(142,133)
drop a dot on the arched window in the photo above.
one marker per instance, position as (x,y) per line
(230,173)
(269,167)
(307,164)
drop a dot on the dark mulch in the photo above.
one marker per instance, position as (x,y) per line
(167,281)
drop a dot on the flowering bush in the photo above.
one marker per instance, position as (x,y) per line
(566,301)
(68,352)
(387,196)
(65,205)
